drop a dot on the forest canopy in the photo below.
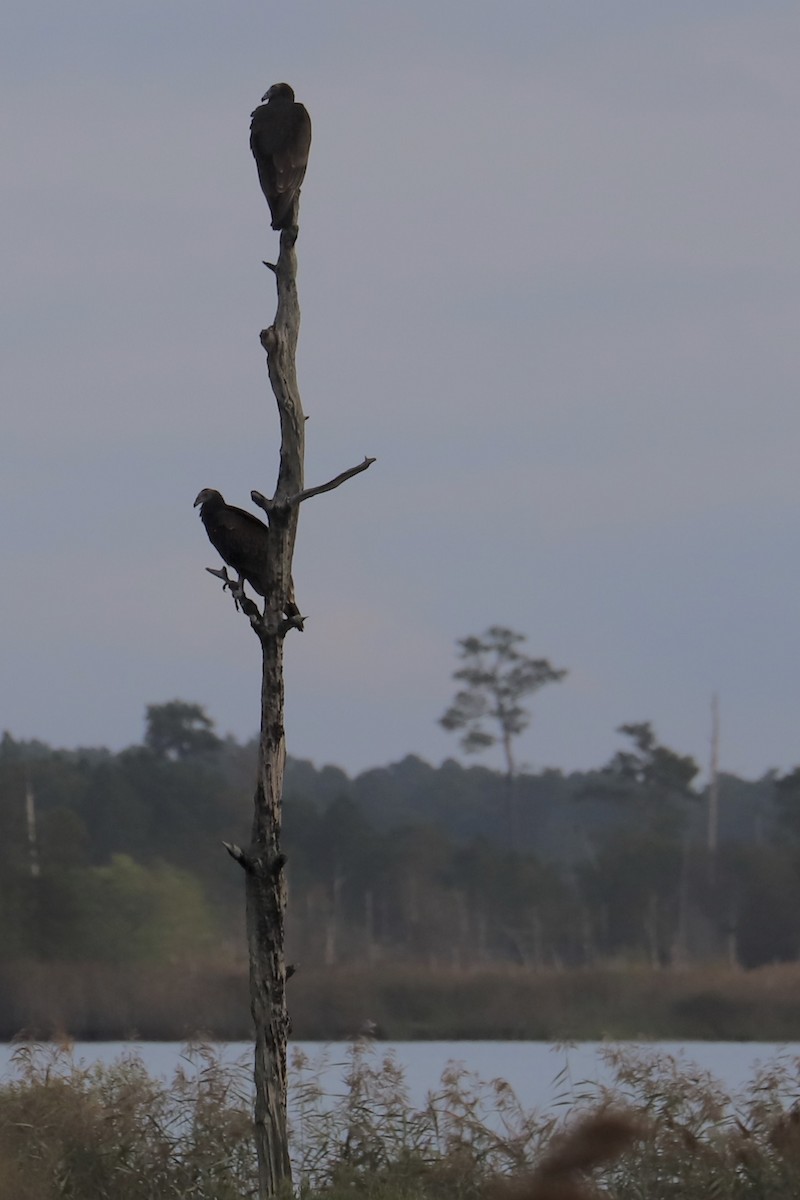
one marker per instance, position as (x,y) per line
(108,856)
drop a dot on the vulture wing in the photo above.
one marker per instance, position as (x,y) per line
(247,541)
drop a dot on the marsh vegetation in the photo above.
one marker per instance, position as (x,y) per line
(659,1130)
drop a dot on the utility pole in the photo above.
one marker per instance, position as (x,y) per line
(712,832)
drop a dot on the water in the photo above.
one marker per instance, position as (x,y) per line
(544,1076)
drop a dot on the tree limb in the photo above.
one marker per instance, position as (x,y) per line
(240,597)
(331,484)
(271,507)
(239,855)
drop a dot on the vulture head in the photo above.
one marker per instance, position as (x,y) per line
(279,91)
(208,496)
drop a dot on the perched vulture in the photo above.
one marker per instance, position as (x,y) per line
(238,537)
(280,137)
(243,542)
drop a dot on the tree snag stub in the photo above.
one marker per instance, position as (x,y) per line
(263,861)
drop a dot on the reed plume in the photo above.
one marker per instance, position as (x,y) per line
(562,1173)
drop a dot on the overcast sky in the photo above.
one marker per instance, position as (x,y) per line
(550,278)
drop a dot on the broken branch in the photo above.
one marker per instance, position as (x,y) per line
(331,484)
(237,853)
(240,597)
(269,506)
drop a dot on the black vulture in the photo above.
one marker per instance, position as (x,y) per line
(242,541)
(280,137)
(238,537)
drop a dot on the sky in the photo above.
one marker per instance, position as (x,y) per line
(549,272)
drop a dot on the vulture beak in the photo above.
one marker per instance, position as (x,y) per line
(199,499)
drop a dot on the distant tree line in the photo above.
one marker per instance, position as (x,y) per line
(116,857)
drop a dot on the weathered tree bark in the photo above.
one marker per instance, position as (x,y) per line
(263,860)
(266,889)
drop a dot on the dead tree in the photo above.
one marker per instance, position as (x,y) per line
(263,860)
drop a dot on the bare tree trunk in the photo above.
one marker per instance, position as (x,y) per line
(512,832)
(266,887)
(332,919)
(266,905)
(369,928)
(651,930)
(263,860)
(712,831)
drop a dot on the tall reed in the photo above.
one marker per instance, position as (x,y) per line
(662,1130)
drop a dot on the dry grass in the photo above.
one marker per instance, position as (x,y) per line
(410,1002)
(564,1169)
(114,1132)
(96,1002)
(661,1131)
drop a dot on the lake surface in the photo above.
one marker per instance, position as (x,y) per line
(544,1076)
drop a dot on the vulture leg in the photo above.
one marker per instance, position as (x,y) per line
(222,573)
(228,584)
(240,597)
